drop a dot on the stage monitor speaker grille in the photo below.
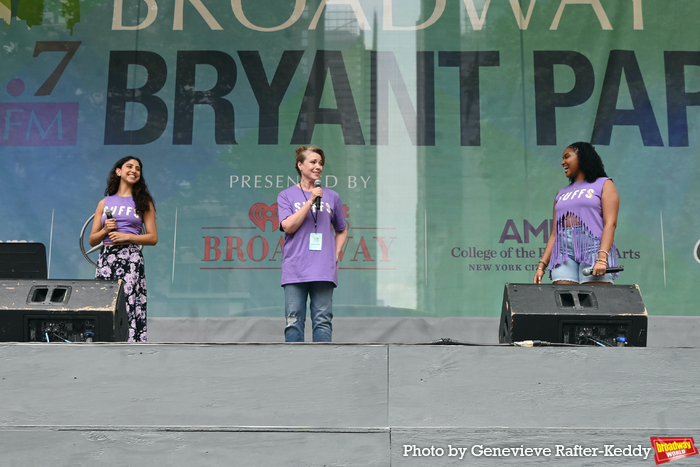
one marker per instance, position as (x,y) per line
(52,310)
(604,315)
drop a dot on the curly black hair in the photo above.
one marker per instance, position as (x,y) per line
(589,161)
(142,197)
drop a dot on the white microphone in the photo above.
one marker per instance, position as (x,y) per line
(589,271)
(317,184)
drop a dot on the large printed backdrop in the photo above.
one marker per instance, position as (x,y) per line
(443,122)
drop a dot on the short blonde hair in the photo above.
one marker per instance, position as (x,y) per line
(303,151)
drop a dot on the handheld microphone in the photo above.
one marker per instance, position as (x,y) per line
(589,271)
(317,184)
(108,213)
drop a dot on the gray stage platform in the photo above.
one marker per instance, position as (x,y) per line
(339,404)
(664,331)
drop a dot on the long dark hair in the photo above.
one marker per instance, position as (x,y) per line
(142,197)
(589,162)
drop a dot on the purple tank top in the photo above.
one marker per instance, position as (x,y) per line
(580,202)
(124,212)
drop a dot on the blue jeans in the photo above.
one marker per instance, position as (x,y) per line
(321,306)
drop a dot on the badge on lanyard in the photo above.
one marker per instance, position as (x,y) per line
(315,241)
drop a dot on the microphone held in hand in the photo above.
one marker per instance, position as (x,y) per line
(108,213)
(589,271)
(317,184)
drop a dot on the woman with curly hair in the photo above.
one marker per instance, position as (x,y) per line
(119,224)
(585,218)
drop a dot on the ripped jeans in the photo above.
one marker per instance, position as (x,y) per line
(321,306)
(571,270)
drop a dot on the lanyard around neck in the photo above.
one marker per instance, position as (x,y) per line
(313,213)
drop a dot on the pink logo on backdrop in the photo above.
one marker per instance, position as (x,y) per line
(37,124)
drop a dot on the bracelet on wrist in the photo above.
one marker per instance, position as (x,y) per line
(540,269)
(603,251)
(545,264)
(603,261)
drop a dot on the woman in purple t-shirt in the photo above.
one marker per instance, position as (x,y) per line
(585,218)
(313,221)
(119,220)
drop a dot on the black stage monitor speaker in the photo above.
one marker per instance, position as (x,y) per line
(22,261)
(604,315)
(62,311)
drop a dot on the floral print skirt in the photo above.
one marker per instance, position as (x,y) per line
(126,262)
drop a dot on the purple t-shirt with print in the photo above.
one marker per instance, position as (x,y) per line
(299,262)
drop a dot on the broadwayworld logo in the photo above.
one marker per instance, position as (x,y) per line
(671,449)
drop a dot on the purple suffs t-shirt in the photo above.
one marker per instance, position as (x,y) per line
(299,263)
(124,212)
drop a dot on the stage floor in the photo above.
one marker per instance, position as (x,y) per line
(664,331)
(340,404)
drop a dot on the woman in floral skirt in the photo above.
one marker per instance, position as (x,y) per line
(125,219)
